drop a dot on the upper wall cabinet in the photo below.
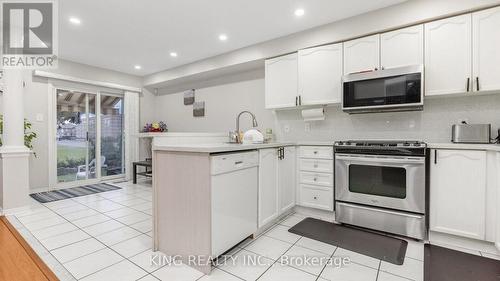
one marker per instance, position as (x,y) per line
(320,75)
(402,47)
(281,82)
(486,50)
(362,54)
(448,60)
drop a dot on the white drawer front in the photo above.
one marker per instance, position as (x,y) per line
(316,197)
(316,165)
(321,152)
(317,179)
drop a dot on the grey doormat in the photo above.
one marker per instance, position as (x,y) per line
(61,194)
(368,243)
(442,264)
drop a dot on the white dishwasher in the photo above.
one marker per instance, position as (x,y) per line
(234,184)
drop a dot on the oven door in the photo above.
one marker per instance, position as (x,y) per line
(394,182)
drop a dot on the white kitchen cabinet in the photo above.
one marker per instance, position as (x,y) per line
(486,46)
(402,47)
(448,59)
(268,186)
(281,82)
(315,175)
(362,54)
(277,184)
(286,179)
(458,192)
(320,74)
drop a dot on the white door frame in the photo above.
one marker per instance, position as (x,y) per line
(53,86)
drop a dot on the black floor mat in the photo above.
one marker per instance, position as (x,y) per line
(442,264)
(368,243)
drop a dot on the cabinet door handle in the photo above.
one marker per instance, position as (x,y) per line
(468,84)
(435,156)
(477,83)
(300,100)
(296,100)
(282,153)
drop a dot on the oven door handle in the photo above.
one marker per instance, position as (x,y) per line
(405,160)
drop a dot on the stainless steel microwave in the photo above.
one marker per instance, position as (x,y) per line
(395,89)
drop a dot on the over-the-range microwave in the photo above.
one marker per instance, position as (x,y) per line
(395,89)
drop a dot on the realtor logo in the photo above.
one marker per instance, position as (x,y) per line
(29,34)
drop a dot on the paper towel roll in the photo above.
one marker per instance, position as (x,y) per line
(315,114)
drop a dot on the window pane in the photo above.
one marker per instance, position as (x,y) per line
(112,144)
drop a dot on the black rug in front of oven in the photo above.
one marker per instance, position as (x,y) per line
(368,243)
(442,264)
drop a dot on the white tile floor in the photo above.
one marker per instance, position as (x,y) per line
(107,236)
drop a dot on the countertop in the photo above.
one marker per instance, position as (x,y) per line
(218,147)
(465,146)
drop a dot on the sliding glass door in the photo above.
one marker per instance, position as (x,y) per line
(89,136)
(112,137)
(75,135)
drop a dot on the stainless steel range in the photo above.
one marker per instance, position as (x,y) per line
(381,185)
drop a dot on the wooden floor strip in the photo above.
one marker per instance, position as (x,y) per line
(18,261)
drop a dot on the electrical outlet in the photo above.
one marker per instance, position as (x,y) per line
(307,127)
(286,128)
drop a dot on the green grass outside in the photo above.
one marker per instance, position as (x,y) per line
(73,153)
(70,152)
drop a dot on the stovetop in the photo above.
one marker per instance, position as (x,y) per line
(382,147)
(381,143)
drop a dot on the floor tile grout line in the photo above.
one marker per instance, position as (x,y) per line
(378,270)
(106,246)
(331,257)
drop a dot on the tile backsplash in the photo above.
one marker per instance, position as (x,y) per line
(433,124)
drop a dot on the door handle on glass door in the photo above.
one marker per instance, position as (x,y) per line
(468,84)
(477,83)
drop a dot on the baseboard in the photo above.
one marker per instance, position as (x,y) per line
(306,211)
(443,239)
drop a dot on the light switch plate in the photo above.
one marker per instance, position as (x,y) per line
(307,127)
(39,117)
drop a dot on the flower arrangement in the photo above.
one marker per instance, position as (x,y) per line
(155,127)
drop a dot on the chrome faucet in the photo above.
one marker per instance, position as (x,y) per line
(254,124)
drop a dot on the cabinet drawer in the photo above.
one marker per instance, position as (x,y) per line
(317,179)
(316,165)
(319,152)
(316,197)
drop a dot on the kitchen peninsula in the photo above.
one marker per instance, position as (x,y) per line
(206,197)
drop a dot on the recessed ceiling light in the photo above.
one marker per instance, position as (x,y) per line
(173,54)
(74,20)
(299,12)
(223,37)
(138,67)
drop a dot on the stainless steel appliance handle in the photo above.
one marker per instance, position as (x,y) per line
(381,210)
(374,159)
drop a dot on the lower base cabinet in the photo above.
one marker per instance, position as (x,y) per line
(458,184)
(277,183)
(315,175)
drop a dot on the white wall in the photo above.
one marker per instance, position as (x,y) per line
(36,103)
(222,105)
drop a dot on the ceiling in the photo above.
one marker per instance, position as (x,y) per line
(120,34)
